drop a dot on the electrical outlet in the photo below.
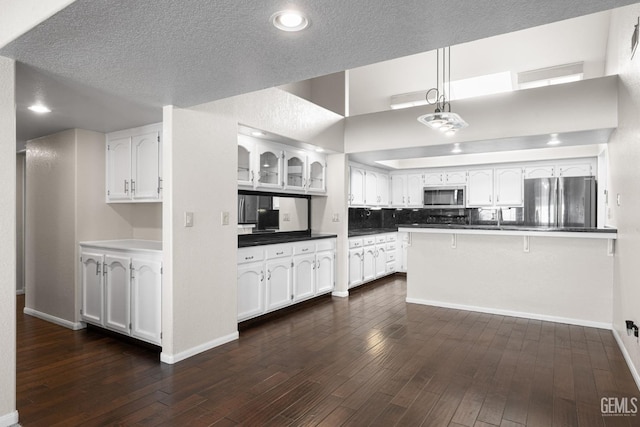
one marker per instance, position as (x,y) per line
(336,217)
(286,217)
(188,219)
(224,218)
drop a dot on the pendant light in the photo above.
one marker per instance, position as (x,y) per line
(442,118)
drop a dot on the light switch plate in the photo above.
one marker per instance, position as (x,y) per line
(224,218)
(188,219)
(336,217)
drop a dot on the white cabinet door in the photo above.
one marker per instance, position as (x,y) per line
(92,287)
(295,170)
(356,264)
(119,169)
(356,185)
(575,170)
(269,167)
(117,293)
(304,272)
(509,187)
(370,188)
(317,173)
(545,171)
(433,178)
(398,190)
(246,172)
(380,261)
(325,272)
(146,300)
(383,189)
(279,287)
(369,264)
(250,290)
(415,190)
(480,188)
(145,177)
(455,177)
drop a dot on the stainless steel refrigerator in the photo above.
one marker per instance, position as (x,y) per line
(560,202)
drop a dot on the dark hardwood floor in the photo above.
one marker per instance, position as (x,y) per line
(370,359)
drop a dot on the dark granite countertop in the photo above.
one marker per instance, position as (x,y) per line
(512,228)
(247,240)
(368,231)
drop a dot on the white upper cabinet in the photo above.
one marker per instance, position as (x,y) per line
(317,173)
(480,188)
(455,177)
(585,169)
(295,177)
(134,165)
(356,186)
(269,167)
(434,178)
(508,191)
(543,171)
(398,190)
(371,188)
(383,189)
(415,189)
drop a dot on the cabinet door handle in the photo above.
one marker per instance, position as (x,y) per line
(262,276)
(252,176)
(133,187)
(104,268)
(409,199)
(159,184)
(489,199)
(126,186)
(268,274)
(402,199)
(98,269)
(279,253)
(318,265)
(498,199)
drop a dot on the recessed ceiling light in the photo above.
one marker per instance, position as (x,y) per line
(257,133)
(319,150)
(289,20)
(554,139)
(39,108)
(456,149)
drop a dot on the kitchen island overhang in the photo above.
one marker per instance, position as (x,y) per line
(554,275)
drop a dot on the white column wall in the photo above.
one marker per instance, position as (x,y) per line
(8,413)
(624,176)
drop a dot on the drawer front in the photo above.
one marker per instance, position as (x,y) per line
(355,243)
(325,245)
(250,254)
(391,246)
(391,256)
(392,237)
(279,251)
(391,267)
(304,248)
(369,240)
(381,238)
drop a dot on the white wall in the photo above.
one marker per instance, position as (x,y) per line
(584,105)
(563,279)
(20,16)
(20,170)
(8,413)
(201,178)
(624,176)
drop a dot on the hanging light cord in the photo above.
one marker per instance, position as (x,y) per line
(434,95)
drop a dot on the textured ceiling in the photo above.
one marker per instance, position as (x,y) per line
(149,53)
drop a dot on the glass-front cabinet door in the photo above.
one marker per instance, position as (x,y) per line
(269,168)
(317,174)
(295,178)
(245,164)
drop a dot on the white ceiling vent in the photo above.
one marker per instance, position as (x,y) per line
(551,75)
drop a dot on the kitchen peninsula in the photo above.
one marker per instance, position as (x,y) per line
(563,275)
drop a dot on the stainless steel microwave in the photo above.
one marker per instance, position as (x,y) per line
(444,197)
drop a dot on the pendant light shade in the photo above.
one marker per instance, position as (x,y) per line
(442,118)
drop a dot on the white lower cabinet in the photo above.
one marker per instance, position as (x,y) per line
(122,289)
(371,257)
(272,277)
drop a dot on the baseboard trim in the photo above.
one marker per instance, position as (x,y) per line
(521,314)
(627,358)
(19,291)
(10,419)
(53,319)
(175,358)
(340,294)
